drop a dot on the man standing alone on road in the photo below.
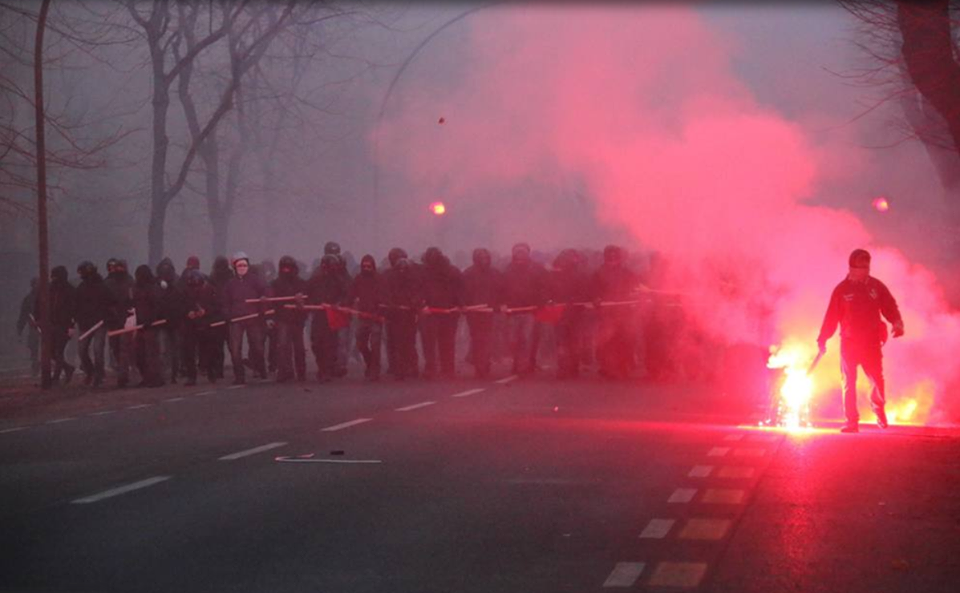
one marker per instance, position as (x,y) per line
(856,305)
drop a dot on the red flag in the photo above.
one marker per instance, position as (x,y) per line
(550,314)
(337,319)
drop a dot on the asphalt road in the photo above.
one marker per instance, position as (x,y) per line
(512,485)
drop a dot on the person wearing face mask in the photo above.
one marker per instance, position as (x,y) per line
(482,285)
(326,287)
(63,308)
(525,285)
(569,286)
(368,293)
(172,309)
(120,284)
(197,339)
(404,299)
(856,305)
(442,289)
(244,285)
(93,302)
(614,282)
(146,302)
(220,274)
(393,329)
(291,353)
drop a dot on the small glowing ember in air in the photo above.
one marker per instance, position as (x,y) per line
(881,204)
(438,208)
(792,408)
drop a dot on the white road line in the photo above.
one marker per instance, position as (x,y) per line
(469,392)
(718,451)
(206,392)
(102,413)
(700,471)
(59,420)
(414,407)
(682,495)
(250,452)
(657,528)
(121,490)
(506,380)
(236,387)
(624,574)
(139,406)
(174,399)
(343,425)
(736,471)
(14,429)
(343,461)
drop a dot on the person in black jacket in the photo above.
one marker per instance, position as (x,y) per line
(172,309)
(146,303)
(570,287)
(93,305)
(404,300)
(63,307)
(442,290)
(197,338)
(220,274)
(525,287)
(245,285)
(613,282)
(327,287)
(368,294)
(291,353)
(120,285)
(856,305)
(482,285)
(27,319)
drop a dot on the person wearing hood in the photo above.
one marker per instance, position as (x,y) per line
(26,319)
(616,338)
(482,285)
(368,294)
(442,289)
(291,353)
(172,309)
(404,300)
(63,307)
(395,255)
(93,304)
(525,286)
(243,286)
(120,285)
(147,304)
(327,287)
(569,287)
(344,334)
(197,338)
(220,274)
(268,273)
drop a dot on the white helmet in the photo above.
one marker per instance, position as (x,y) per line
(237,257)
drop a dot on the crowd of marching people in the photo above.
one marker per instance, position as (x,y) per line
(175,327)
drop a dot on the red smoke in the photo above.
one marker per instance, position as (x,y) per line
(640,107)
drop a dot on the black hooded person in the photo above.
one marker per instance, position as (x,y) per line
(368,294)
(63,307)
(569,288)
(442,294)
(120,284)
(268,273)
(404,300)
(482,286)
(198,341)
(613,282)
(172,309)
(245,285)
(327,287)
(525,287)
(291,353)
(220,274)
(93,309)
(147,303)
(25,320)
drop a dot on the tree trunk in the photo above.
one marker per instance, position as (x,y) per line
(158,170)
(221,229)
(46,343)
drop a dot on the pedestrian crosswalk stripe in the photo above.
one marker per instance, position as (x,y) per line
(624,574)
(682,495)
(657,528)
(700,471)
(685,575)
(718,451)
(705,529)
(723,496)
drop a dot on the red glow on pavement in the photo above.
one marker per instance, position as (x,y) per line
(881,204)
(438,208)
(797,387)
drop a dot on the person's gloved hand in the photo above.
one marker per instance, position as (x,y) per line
(898,329)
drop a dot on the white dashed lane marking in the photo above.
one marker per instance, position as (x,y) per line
(139,406)
(469,392)
(343,425)
(236,387)
(174,399)
(685,575)
(205,392)
(60,420)
(657,528)
(700,471)
(705,529)
(250,452)
(682,495)
(624,574)
(735,471)
(102,413)
(718,451)
(14,429)
(723,496)
(121,490)
(506,380)
(414,407)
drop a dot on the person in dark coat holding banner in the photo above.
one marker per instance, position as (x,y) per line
(569,289)
(368,294)
(245,285)
(120,284)
(404,298)
(146,302)
(482,286)
(93,304)
(291,354)
(442,291)
(525,288)
(327,287)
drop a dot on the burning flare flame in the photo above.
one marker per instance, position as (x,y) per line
(796,391)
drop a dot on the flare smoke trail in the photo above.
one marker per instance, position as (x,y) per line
(642,109)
